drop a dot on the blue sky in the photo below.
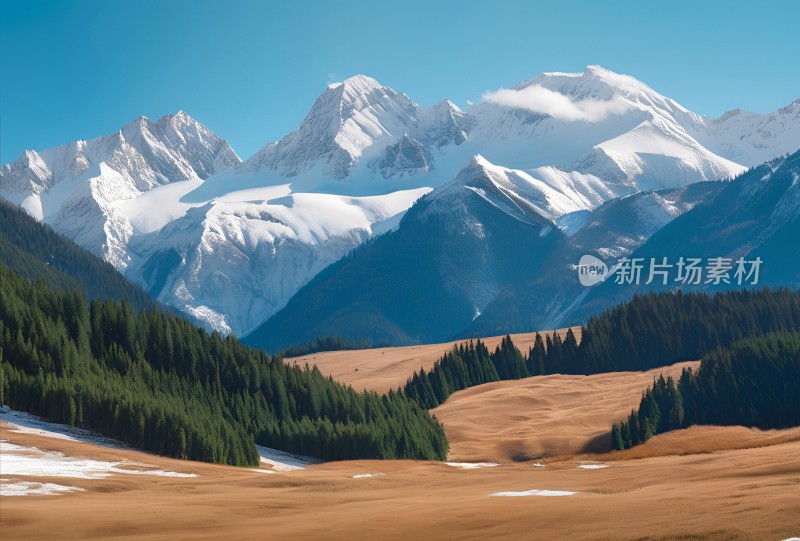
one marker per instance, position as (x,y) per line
(251,70)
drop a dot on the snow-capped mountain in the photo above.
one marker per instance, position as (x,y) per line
(356,119)
(75,187)
(752,138)
(621,225)
(757,215)
(474,257)
(231,261)
(617,228)
(231,242)
(452,253)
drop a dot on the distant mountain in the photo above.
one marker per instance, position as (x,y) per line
(550,299)
(453,252)
(231,242)
(34,250)
(77,187)
(355,116)
(474,256)
(752,138)
(757,215)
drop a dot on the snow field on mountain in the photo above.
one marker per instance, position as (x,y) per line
(245,236)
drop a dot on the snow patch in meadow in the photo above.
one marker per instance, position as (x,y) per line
(27,488)
(25,423)
(30,461)
(535,492)
(592,466)
(283,461)
(538,465)
(472,465)
(368,475)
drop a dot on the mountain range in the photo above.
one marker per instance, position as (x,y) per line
(507,191)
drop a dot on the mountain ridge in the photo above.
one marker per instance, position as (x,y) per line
(560,143)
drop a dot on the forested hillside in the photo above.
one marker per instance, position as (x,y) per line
(159,383)
(664,328)
(651,330)
(755,382)
(467,365)
(35,250)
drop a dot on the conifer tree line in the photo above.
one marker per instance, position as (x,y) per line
(467,365)
(35,250)
(325,343)
(159,383)
(755,382)
(652,330)
(665,328)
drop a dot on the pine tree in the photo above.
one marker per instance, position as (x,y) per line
(616,437)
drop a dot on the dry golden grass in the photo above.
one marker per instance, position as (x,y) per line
(543,416)
(382,369)
(702,483)
(742,494)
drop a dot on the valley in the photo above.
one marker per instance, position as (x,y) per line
(542,433)
(383,369)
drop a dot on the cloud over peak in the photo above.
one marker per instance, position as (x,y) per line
(539,99)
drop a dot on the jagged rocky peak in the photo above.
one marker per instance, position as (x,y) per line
(793,107)
(28,173)
(180,147)
(406,157)
(345,120)
(356,90)
(477,174)
(443,124)
(175,148)
(206,152)
(727,115)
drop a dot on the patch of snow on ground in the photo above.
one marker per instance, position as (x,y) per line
(538,465)
(25,423)
(27,488)
(367,475)
(592,466)
(472,465)
(535,492)
(283,461)
(259,470)
(30,461)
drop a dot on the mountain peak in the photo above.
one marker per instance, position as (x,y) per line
(181,117)
(446,105)
(180,120)
(137,123)
(598,81)
(594,82)
(479,161)
(728,114)
(351,94)
(358,82)
(789,109)
(345,119)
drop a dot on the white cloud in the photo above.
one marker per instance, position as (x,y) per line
(542,100)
